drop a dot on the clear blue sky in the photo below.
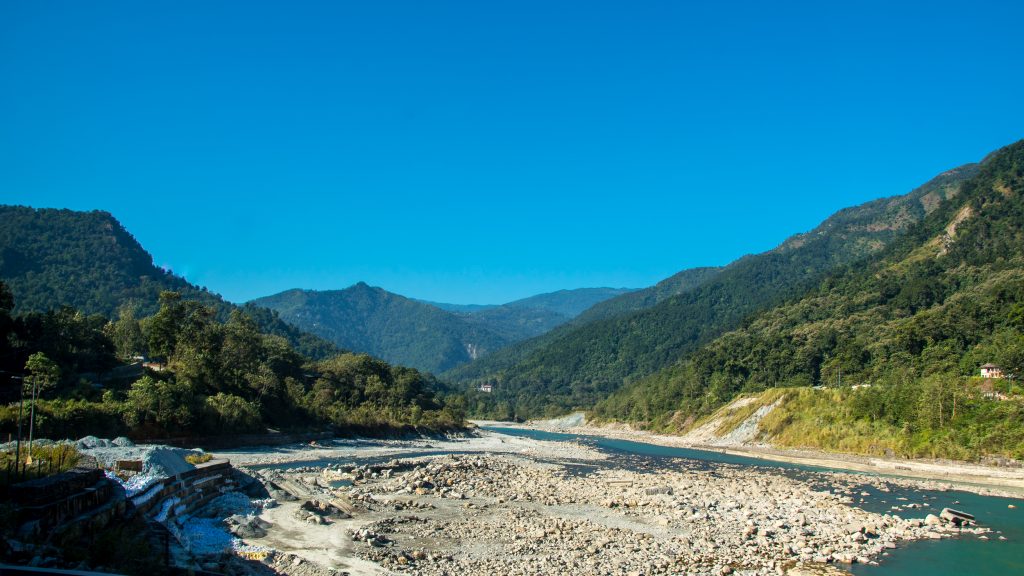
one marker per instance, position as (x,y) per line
(484,151)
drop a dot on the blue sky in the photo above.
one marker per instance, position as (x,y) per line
(485,151)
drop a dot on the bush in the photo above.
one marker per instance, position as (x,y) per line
(198,458)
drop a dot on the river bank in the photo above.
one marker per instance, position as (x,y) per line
(366,448)
(521,501)
(989,480)
(550,512)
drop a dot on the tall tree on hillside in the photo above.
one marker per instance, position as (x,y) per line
(162,328)
(43,374)
(126,333)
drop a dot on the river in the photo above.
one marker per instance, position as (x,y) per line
(958,556)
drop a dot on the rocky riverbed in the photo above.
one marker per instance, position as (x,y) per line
(513,514)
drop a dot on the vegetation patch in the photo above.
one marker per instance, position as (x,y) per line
(45,460)
(733,418)
(198,458)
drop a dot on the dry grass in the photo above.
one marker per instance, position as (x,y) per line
(198,458)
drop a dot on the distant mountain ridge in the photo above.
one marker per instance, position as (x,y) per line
(423,335)
(567,302)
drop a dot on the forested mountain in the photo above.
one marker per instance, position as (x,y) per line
(87,260)
(914,321)
(424,335)
(580,365)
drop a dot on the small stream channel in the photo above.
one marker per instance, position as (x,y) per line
(958,556)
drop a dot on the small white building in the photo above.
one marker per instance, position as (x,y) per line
(486,388)
(991,371)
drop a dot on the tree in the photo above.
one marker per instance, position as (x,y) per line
(125,332)
(167,405)
(233,414)
(43,374)
(162,328)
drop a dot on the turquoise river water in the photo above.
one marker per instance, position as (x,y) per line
(958,556)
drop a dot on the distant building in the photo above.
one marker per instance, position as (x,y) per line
(486,388)
(991,371)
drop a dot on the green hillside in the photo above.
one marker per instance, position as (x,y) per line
(578,366)
(87,260)
(908,326)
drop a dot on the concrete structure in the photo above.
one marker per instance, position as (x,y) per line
(61,507)
(991,371)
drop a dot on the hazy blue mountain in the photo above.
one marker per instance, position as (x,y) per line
(468,308)
(534,315)
(569,303)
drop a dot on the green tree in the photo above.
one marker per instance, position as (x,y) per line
(163,327)
(232,414)
(43,374)
(126,333)
(161,405)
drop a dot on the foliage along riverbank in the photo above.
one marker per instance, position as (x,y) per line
(207,377)
(901,422)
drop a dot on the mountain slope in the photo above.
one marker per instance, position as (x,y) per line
(87,260)
(579,366)
(914,322)
(389,326)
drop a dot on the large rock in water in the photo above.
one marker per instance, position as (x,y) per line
(956,517)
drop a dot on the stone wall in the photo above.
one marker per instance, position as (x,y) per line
(54,507)
(186,492)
